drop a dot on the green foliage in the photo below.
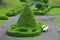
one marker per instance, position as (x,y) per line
(40,5)
(48,9)
(30,2)
(41,12)
(27,18)
(46,2)
(3,16)
(23,0)
(23,32)
(0,1)
(14,12)
(26,25)
(39,0)
(35,9)
(12,7)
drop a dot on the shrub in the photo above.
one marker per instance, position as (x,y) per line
(40,0)
(45,1)
(40,5)
(41,12)
(3,16)
(16,32)
(23,0)
(35,9)
(0,1)
(14,12)
(48,8)
(27,18)
(26,25)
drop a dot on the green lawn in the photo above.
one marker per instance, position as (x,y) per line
(54,11)
(57,20)
(9,5)
(2,21)
(54,2)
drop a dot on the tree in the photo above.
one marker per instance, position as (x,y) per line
(40,5)
(0,1)
(46,1)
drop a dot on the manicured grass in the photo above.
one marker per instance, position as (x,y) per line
(11,6)
(8,6)
(57,20)
(2,21)
(54,2)
(54,11)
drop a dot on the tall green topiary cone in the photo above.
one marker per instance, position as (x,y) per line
(26,25)
(27,18)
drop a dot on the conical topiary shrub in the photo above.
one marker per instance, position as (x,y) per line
(26,25)
(27,19)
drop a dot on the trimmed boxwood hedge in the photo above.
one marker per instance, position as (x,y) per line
(14,12)
(40,5)
(26,25)
(3,16)
(41,12)
(24,32)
